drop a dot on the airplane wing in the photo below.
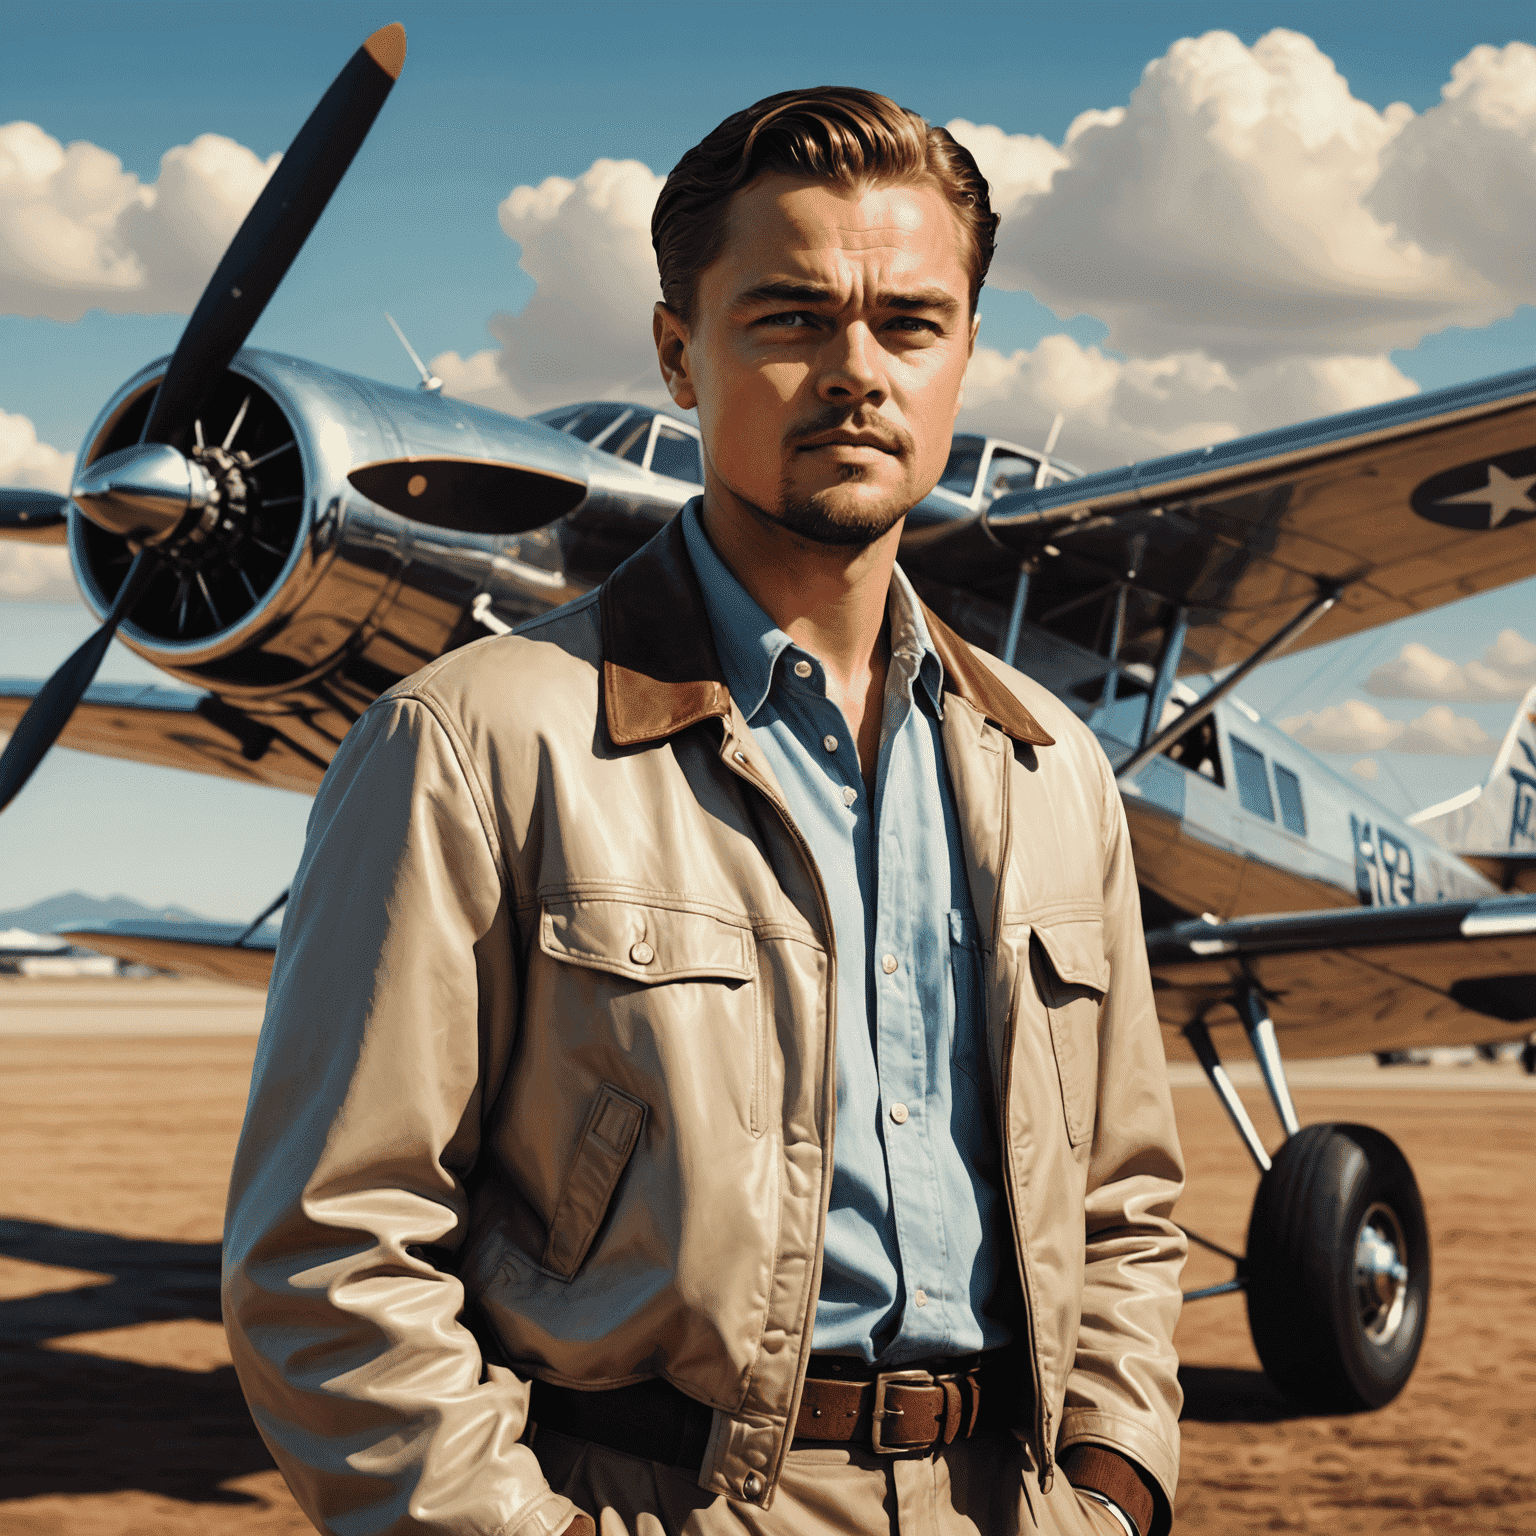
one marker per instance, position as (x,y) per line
(1359,979)
(1402,507)
(175,728)
(221,951)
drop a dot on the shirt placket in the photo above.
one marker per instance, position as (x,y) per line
(901,1043)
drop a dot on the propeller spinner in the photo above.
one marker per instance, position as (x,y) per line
(155,494)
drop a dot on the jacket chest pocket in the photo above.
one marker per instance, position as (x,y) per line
(675,993)
(1072,976)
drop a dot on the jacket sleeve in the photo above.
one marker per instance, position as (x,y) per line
(390,1020)
(1123,1392)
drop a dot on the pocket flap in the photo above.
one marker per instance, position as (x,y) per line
(1076,951)
(644,943)
(606,1144)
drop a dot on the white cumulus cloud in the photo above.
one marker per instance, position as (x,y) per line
(1243,203)
(1506,670)
(78,232)
(1122,409)
(586,332)
(1355,726)
(35,572)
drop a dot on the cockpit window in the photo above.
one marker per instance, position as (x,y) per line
(593,420)
(677,454)
(964,461)
(1010,471)
(1198,750)
(1252,779)
(1288,791)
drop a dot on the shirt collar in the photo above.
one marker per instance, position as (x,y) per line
(750,643)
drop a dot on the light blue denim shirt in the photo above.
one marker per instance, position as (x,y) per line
(912,1242)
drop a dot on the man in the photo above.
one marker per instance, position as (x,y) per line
(711,1080)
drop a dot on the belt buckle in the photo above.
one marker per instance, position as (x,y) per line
(881,1413)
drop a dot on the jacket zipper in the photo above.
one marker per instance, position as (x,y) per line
(736,760)
(1047,1471)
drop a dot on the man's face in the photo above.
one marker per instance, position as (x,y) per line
(826,354)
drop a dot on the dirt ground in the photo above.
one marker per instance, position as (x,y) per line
(121,1413)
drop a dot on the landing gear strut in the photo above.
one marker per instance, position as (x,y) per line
(1337,1265)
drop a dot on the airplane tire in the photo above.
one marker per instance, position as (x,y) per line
(1338,1269)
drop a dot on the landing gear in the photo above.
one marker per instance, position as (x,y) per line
(1338,1269)
(1337,1265)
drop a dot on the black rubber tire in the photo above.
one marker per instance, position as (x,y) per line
(1304,1311)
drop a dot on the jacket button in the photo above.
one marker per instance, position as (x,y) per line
(641,953)
(751,1485)
(899,1113)
(802,669)
(888,964)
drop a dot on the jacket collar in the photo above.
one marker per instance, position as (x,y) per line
(661,672)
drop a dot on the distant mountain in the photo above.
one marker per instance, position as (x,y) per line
(76,907)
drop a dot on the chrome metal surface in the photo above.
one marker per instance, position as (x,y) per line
(1199,1038)
(1381,1276)
(1276,643)
(1260,1028)
(142,492)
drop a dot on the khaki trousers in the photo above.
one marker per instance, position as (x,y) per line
(972,1488)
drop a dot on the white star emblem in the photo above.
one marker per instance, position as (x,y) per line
(1501,495)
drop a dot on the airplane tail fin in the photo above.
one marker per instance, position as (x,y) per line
(1494,824)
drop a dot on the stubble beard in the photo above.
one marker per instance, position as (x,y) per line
(819,519)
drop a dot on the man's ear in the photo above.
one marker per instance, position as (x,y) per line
(671,337)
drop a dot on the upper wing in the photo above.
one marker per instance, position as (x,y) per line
(175,728)
(1402,506)
(1360,978)
(218,950)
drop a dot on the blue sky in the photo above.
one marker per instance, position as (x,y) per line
(497,96)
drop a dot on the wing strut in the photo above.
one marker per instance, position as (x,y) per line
(1200,1043)
(1260,1028)
(1276,643)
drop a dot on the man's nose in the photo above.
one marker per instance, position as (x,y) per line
(852,366)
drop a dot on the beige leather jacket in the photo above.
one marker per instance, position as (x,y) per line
(549,1054)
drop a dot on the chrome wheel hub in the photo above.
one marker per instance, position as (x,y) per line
(1381,1276)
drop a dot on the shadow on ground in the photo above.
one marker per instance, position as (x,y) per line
(1218,1394)
(81,1423)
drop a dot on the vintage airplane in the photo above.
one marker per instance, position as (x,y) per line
(290,541)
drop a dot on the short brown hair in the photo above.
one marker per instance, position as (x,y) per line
(829,133)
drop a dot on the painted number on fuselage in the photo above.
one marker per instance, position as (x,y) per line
(1522,819)
(1383,867)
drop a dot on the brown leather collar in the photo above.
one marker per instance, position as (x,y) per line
(661,672)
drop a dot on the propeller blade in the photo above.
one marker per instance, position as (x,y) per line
(49,712)
(35,517)
(277,226)
(469,495)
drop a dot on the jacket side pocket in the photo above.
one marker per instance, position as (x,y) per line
(607,1143)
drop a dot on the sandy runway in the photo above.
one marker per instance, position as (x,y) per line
(121,1413)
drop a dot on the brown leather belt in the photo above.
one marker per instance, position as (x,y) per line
(908,1409)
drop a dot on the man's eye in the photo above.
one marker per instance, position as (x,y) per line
(914,325)
(791,319)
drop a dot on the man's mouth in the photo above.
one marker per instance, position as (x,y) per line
(849,440)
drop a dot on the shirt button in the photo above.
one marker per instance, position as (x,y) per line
(641,953)
(802,669)
(888,964)
(850,795)
(899,1113)
(830,743)
(751,1485)
(920,1298)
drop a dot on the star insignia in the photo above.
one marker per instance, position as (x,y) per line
(1502,494)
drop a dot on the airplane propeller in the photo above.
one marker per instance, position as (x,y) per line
(155,493)
(36,517)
